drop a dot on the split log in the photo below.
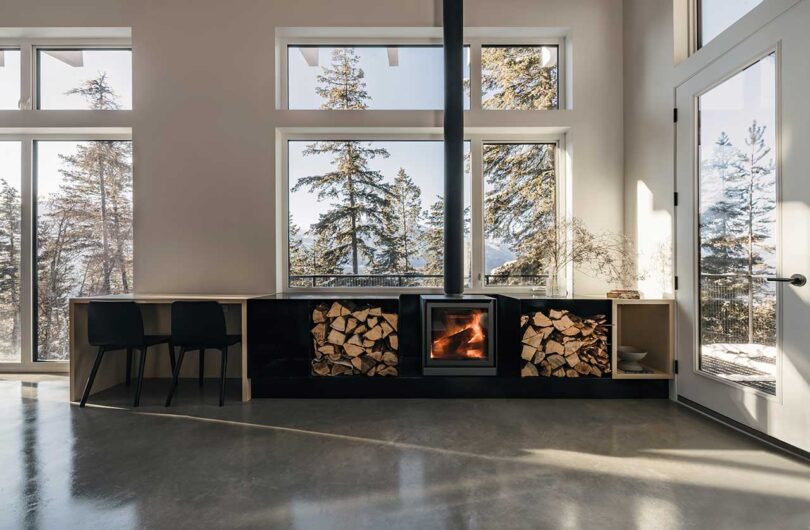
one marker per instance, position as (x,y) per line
(528,370)
(528,353)
(339,324)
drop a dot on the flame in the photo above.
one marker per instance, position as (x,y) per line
(458,343)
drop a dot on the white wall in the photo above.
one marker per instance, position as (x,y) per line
(649,139)
(204,118)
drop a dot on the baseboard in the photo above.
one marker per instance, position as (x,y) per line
(787,448)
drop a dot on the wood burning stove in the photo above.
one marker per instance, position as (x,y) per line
(458,335)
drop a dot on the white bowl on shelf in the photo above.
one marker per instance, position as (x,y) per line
(629,357)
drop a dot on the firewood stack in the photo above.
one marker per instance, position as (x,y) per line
(352,340)
(562,344)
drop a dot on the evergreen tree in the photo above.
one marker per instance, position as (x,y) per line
(433,238)
(299,263)
(341,84)
(401,234)
(520,208)
(355,218)
(722,253)
(737,242)
(9,269)
(515,78)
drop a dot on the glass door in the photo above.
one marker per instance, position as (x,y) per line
(743,246)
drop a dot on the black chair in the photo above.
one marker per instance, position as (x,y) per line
(119,326)
(200,326)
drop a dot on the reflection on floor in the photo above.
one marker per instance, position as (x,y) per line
(752,365)
(381,464)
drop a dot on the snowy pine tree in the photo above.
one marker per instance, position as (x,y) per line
(433,240)
(401,231)
(358,193)
(515,78)
(9,270)
(520,208)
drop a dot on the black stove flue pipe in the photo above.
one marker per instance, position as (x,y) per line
(453,21)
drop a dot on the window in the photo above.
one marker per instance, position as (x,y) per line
(9,79)
(10,251)
(74,78)
(83,231)
(715,16)
(738,237)
(363,208)
(368,213)
(65,189)
(520,212)
(367,77)
(520,77)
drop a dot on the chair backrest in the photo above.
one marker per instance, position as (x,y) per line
(114,324)
(198,324)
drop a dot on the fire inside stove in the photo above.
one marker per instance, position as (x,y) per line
(459,334)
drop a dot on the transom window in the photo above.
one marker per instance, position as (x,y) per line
(410,77)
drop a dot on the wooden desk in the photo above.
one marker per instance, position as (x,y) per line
(157,320)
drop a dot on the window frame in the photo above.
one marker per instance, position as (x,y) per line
(477,140)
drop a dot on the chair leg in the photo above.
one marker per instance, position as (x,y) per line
(171,355)
(129,367)
(176,374)
(92,377)
(140,377)
(202,366)
(222,376)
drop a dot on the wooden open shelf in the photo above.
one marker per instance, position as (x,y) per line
(649,325)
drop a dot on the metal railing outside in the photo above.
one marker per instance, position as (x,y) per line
(737,309)
(409,280)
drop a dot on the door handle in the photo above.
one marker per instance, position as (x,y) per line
(797,280)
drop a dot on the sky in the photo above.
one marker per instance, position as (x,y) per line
(717,15)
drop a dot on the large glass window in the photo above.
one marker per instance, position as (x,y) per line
(84,79)
(367,77)
(717,15)
(9,79)
(737,220)
(367,213)
(520,213)
(520,77)
(83,231)
(10,251)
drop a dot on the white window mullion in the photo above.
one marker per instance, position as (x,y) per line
(26,76)
(477,213)
(27,258)
(475,76)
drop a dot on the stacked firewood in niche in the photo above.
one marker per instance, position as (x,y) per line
(561,344)
(352,340)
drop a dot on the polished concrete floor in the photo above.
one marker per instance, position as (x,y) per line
(386,464)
